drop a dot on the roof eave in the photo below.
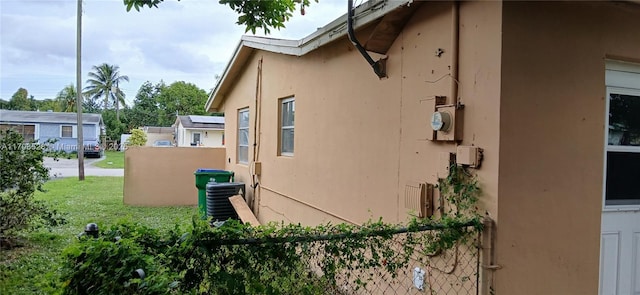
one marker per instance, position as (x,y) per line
(240,57)
(41,118)
(204,128)
(364,15)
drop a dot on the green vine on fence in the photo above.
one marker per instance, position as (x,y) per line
(270,259)
(461,190)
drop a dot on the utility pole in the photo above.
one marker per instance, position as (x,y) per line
(80,144)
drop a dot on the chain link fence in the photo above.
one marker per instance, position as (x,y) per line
(401,261)
(452,271)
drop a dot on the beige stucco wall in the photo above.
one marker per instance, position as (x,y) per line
(479,90)
(360,140)
(160,176)
(208,137)
(346,137)
(552,118)
(531,77)
(152,137)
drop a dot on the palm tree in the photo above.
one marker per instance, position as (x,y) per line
(103,82)
(66,98)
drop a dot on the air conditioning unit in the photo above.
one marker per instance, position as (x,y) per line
(218,205)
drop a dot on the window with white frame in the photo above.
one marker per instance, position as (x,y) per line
(66,131)
(243,135)
(623,147)
(287,120)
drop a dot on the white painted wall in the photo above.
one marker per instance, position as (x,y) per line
(208,137)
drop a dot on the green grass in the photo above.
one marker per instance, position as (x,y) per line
(114,159)
(33,268)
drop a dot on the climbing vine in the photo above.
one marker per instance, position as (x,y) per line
(461,190)
(270,259)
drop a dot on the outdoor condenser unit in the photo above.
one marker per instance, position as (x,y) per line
(218,205)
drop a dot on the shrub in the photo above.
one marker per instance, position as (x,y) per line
(22,173)
(22,167)
(109,264)
(137,138)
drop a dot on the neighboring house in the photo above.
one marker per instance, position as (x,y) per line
(199,131)
(541,83)
(63,127)
(157,133)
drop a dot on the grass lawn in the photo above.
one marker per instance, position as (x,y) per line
(33,268)
(114,159)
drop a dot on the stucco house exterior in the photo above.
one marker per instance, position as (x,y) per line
(155,133)
(63,127)
(541,97)
(192,130)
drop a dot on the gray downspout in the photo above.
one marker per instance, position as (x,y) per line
(455,48)
(379,67)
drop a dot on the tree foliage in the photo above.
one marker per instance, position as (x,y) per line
(22,167)
(114,126)
(180,98)
(20,101)
(145,110)
(91,105)
(253,14)
(103,82)
(66,98)
(154,105)
(158,105)
(49,104)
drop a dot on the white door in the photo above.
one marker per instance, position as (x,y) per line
(620,241)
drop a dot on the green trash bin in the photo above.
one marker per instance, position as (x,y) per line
(204,176)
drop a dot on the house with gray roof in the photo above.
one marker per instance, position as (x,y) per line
(63,127)
(199,131)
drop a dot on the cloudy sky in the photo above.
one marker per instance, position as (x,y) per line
(190,40)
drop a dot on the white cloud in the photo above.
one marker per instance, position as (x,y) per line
(187,40)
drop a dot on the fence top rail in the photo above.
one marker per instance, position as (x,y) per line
(473,224)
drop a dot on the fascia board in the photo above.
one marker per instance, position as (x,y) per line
(364,14)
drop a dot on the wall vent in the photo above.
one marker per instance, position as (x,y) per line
(418,198)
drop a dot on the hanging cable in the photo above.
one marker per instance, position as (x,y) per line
(379,67)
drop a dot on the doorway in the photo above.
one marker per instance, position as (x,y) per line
(620,233)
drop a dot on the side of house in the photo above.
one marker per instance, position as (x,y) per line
(321,138)
(353,141)
(61,127)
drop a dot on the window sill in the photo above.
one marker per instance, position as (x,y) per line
(621,208)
